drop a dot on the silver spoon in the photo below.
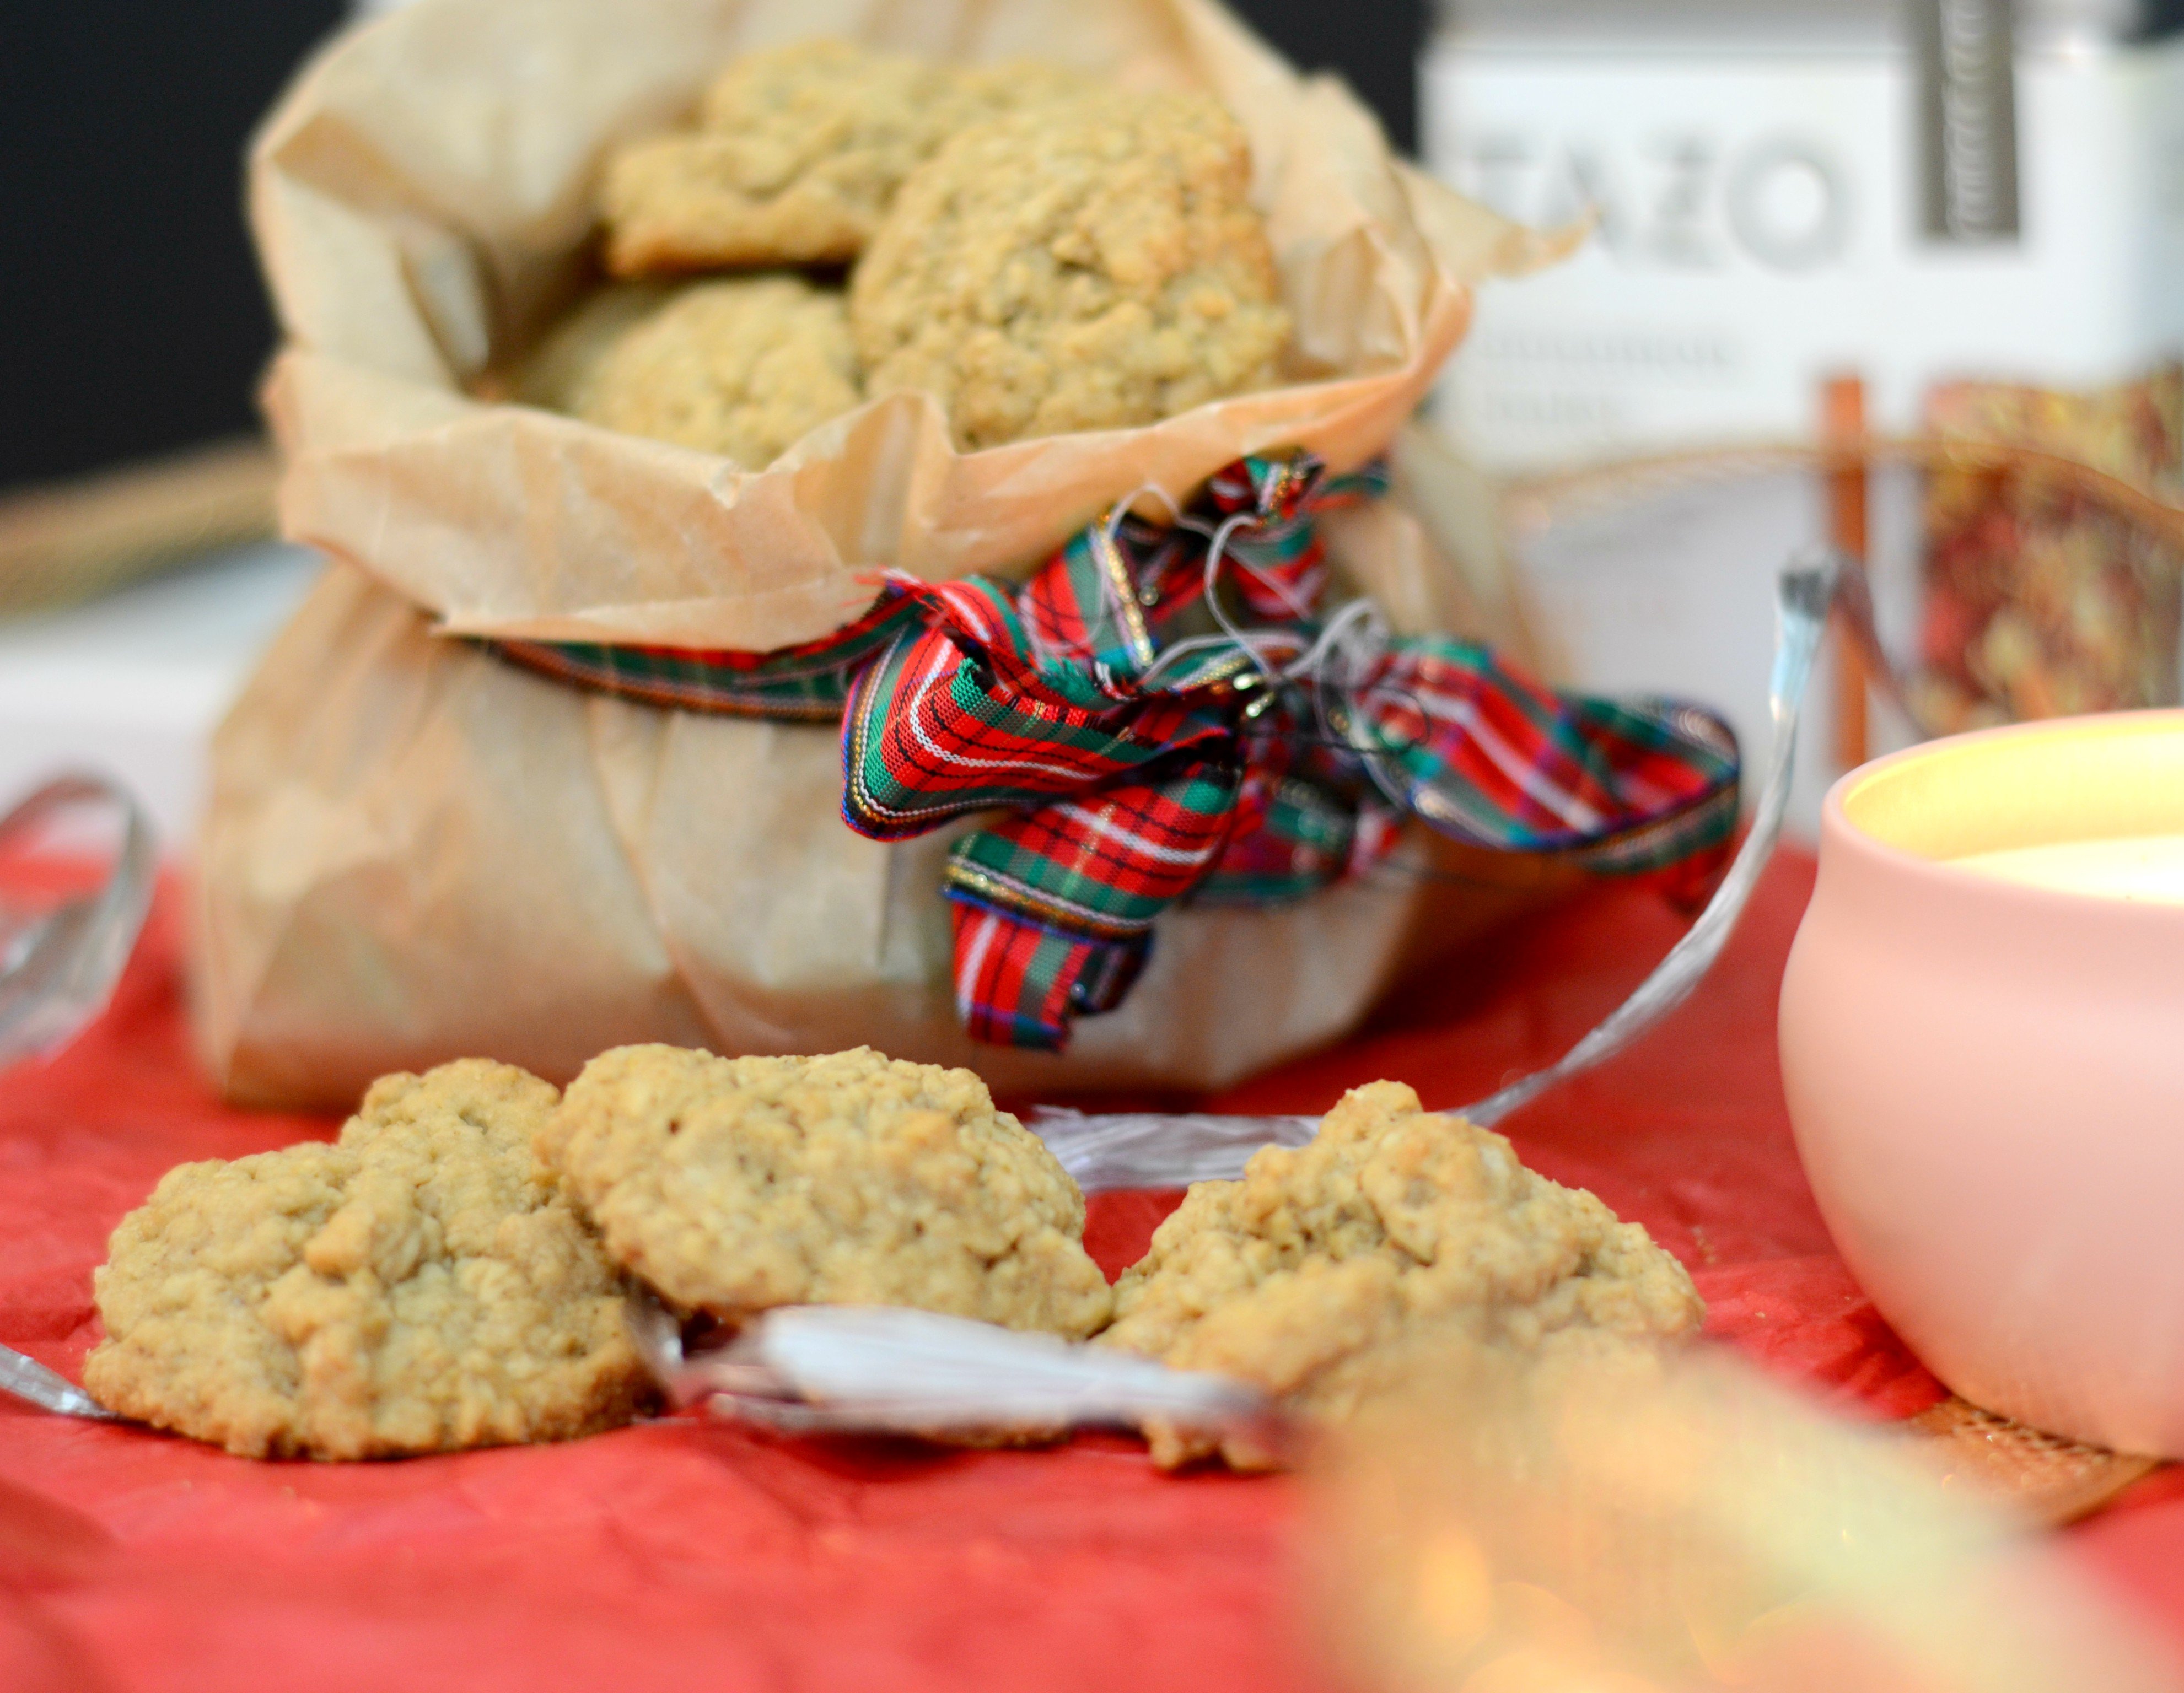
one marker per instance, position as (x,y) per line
(58,966)
(58,970)
(50,1390)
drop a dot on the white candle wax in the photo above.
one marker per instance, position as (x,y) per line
(2147,868)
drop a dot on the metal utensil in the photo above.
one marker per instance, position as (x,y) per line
(1141,1149)
(814,1369)
(875,1370)
(59,965)
(48,1390)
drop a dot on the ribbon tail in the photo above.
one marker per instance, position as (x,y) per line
(1021,983)
(1054,908)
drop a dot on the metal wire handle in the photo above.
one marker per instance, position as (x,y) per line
(58,970)
(1803,596)
(1142,1150)
(58,967)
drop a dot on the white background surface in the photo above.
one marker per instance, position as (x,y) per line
(1673,593)
(1670,327)
(133,685)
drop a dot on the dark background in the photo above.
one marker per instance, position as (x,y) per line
(134,319)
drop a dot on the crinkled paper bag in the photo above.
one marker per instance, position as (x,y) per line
(422,200)
(413,852)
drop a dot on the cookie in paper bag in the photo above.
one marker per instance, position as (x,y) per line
(798,154)
(735,1185)
(744,367)
(1395,1227)
(1097,265)
(421,1285)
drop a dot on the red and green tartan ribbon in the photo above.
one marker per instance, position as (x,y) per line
(1161,713)
(807,683)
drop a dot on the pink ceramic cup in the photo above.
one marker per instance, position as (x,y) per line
(1987,1080)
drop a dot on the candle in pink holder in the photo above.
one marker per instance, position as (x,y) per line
(1983,1035)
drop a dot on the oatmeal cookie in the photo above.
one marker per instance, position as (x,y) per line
(1096,266)
(563,370)
(798,154)
(744,367)
(420,1286)
(1313,1276)
(733,1186)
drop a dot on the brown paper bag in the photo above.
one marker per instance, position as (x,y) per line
(413,851)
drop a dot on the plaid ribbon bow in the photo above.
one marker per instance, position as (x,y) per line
(1161,712)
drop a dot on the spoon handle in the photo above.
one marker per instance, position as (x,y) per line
(27,1378)
(58,969)
(1143,1150)
(1803,595)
